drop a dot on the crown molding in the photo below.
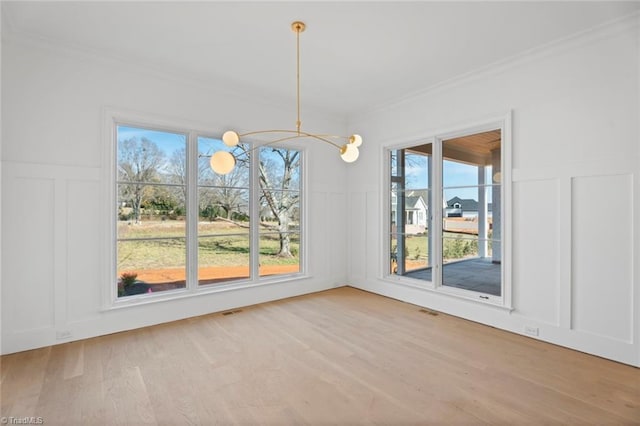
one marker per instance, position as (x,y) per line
(602,31)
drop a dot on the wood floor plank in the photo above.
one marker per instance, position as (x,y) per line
(337,357)
(23,379)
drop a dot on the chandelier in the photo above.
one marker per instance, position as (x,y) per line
(223,162)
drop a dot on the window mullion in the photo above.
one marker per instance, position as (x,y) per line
(438,204)
(254,215)
(192,212)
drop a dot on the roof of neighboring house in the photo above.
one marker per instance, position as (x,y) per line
(466,204)
(419,193)
(412,202)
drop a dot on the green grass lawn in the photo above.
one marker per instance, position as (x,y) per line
(455,246)
(226,244)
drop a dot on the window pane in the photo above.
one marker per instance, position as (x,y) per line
(458,174)
(150,206)
(151,156)
(223,258)
(416,171)
(279,169)
(279,253)
(156,265)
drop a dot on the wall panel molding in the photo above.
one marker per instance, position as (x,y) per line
(601,256)
(29,269)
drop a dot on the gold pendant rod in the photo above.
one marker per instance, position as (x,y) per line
(298,27)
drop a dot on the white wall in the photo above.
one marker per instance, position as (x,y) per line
(576,187)
(52,190)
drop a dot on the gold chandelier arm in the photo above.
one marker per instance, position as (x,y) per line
(248,151)
(274,141)
(322,138)
(325,135)
(258,132)
(299,134)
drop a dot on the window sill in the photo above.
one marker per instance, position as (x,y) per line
(493,301)
(170,295)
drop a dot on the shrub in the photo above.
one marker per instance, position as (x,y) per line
(128,278)
(125,216)
(458,248)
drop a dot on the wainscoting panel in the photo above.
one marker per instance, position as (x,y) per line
(317,232)
(83,279)
(602,250)
(358,235)
(338,227)
(373,233)
(28,223)
(536,270)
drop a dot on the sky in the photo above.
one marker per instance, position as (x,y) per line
(167,142)
(170,142)
(454,174)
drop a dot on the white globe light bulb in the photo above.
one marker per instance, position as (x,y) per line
(349,153)
(230,138)
(222,162)
(355,140)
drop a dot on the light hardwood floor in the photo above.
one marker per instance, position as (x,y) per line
(342,356)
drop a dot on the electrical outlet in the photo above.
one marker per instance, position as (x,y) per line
(63,334)
(531,331)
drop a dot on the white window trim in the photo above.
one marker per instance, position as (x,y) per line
(112,117)
(502,122)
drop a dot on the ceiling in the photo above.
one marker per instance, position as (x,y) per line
(354,55)
(471,149)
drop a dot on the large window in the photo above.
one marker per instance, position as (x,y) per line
(446,215)
(182,227)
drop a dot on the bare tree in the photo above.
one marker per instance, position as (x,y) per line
(138,165)
(227,195)
(279,194)
(177,167)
